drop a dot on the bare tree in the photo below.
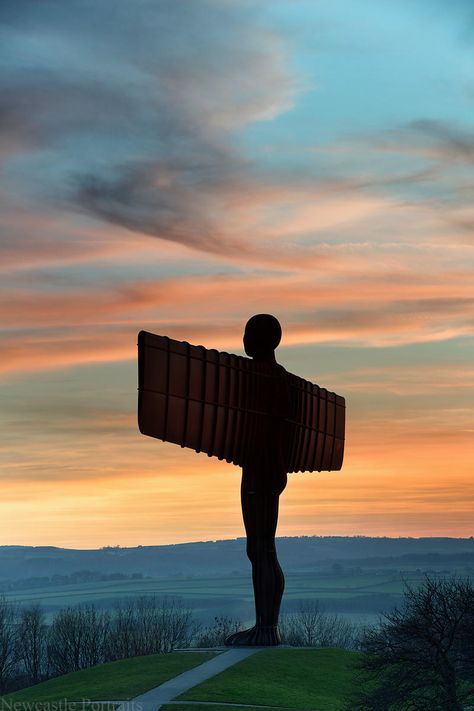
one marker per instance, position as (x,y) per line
(304,626)
(176,624)
(421,657)
(77,639)
(121,641)
(215,634)
(336,631)
(309,626)
(31,642)
(8,646)
(65,641)
(149,625)
(95,626)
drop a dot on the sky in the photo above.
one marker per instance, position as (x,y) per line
(179,165)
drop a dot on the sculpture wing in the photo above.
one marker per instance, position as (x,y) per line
(196,397)
(316,427)
(214,402)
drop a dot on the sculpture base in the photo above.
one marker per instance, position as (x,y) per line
(256,636)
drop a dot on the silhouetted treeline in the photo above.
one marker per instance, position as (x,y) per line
(82,636)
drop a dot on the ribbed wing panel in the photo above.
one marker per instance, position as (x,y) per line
(316,427)
(214,402)
(195,397)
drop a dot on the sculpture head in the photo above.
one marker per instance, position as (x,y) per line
(262,335)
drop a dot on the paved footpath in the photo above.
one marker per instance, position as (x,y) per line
(169,690)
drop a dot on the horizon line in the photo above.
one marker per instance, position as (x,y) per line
(238,538)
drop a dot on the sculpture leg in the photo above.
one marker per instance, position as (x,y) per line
(260,512)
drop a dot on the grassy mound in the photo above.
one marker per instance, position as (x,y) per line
(123,679)
(58,705)
(208,707)
(300,679)
(295,678)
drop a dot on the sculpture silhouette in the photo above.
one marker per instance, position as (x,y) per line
(252,413)
(263,480)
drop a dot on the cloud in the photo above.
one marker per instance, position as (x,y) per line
(141,132)
(167,201)
(242,214)
(408,380)
(446,140)
(145,136)
(45,330)
(423,168)
(39,109)
(228,296)
(33,237)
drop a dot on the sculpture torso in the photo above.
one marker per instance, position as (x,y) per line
(266,470)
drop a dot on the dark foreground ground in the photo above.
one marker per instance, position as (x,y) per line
(302,679)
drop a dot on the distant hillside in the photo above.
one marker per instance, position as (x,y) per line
(227,556)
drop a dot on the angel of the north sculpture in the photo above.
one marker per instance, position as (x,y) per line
(250,412)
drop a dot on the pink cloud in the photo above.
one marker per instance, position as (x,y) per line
(46,330)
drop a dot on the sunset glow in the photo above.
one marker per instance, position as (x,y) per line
(178,167)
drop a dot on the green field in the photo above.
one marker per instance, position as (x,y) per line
(123,679)
(231,595)
(319,679)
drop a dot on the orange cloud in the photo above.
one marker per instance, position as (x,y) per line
(190,296)
(97,325)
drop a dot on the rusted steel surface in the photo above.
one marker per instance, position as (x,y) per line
(220,403)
